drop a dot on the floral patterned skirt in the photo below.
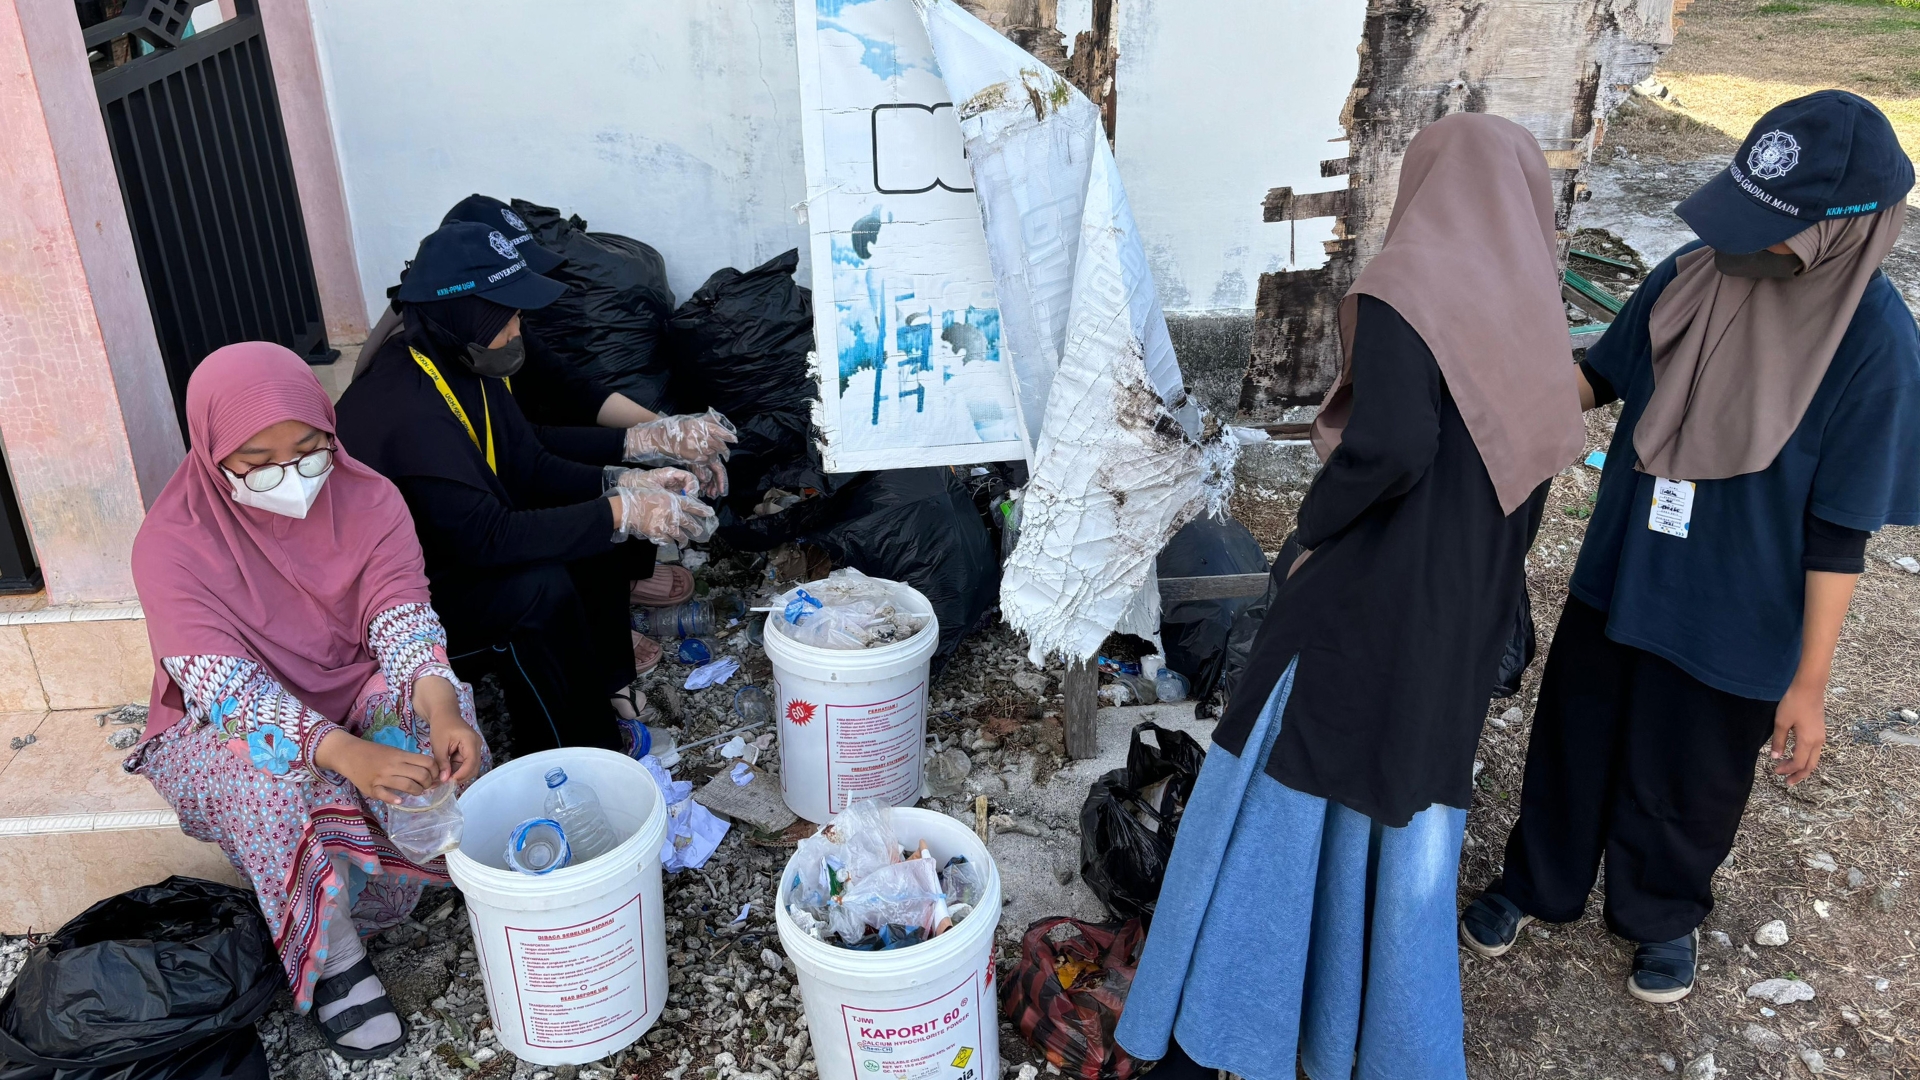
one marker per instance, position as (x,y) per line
(302,843)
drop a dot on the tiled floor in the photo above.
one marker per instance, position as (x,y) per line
(69,768)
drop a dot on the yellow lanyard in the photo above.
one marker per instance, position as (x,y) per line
(460,413)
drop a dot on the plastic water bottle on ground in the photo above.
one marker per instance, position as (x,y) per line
(577,808)
(695,618)
(1170,685)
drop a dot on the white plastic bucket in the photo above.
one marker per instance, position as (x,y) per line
(853,722)
(575,961)
(925,1012)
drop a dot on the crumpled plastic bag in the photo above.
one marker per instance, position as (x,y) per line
(1130,818)
(905,894)
(847,611)
(693,831)
(858,841)
(156,975)
(1067,992)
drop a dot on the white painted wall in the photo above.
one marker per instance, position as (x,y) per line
(673,122)
(678,123)
(1218,103)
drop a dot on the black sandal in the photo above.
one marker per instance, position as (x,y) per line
(348,1020)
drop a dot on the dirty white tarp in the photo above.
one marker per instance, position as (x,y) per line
(910,360)
(1122,457)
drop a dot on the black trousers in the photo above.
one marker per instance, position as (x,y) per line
(558,636)
(1632,758)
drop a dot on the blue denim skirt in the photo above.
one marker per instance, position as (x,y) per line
(1292,928)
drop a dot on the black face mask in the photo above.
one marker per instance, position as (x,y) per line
(497,363)
(1757,264)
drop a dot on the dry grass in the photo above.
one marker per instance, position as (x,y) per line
(1732,60)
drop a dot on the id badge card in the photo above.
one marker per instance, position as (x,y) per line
(1672,509)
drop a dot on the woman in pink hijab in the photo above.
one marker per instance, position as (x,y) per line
(303,685)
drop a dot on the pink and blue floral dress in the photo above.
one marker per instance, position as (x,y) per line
(239,771)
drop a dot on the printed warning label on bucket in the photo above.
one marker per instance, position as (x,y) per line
(579,984)
(935,1040)
(873,751)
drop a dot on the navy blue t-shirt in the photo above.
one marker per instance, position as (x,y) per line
(1725,602)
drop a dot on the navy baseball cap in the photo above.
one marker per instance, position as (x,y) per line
(489,211)
(471,259)
(1830,154)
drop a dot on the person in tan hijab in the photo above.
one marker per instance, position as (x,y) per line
(1769,377)
(1306,916)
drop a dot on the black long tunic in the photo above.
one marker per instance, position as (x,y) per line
(1400,616)
(540,507)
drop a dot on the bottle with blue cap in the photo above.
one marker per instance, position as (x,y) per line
(577,808)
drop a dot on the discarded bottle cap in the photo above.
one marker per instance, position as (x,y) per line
(694,651)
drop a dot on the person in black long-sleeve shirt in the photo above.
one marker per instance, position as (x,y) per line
(524,548)
(1306,919)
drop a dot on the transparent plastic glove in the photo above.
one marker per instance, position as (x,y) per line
(712,474)
(654,513)
(681,439)
(673,481)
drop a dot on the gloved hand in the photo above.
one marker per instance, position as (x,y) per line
(653,513)
(681,440)
(674,481)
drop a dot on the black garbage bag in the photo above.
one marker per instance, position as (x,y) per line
(152,976)
(918,526)
(611,322)
(1130,819)
(740,345)
(1195,631)
(237,1055)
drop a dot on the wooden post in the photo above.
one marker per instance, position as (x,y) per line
(1081,688)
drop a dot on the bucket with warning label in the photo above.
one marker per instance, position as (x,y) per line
(853,722)
(575,959)
(925,1012)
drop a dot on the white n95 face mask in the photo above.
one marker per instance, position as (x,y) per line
(293,497)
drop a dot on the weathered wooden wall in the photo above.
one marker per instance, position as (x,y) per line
(1557,67)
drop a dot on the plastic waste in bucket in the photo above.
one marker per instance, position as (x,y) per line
(575,960)
(853,722)
(924,1012)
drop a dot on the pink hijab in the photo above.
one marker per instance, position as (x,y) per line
(294,596)
(1471,263)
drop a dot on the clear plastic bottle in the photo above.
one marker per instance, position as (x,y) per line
(695,618)
(1170,685)
(577,808)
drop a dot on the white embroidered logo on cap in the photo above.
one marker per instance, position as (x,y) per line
(1773,155)
(513,220)
(502,245)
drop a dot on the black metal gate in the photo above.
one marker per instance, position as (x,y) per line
(197,140)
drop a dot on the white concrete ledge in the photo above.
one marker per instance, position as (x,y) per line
(72,613)
(114,821)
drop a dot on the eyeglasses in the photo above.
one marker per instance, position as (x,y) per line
(264,478)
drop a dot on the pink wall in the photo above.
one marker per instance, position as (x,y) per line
(323,201)
(84,408)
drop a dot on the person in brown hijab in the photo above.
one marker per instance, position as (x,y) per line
(1770,386)
(1306,915)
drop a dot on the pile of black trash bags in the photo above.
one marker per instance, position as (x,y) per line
(163,982)
(739,344)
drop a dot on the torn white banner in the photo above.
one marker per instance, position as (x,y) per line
(1122,457)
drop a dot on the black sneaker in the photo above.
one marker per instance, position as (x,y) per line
(1492,924)
(1663,970)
